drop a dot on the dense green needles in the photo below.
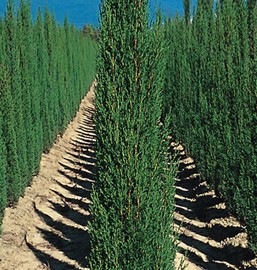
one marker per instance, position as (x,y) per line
(211,94)
(45,70)
(198,71)
(132,209)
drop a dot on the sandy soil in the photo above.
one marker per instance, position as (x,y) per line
(210,237)
(47,229)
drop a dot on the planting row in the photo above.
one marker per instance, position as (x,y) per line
(210,94)
(45,70)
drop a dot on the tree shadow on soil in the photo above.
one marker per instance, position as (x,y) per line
(49,261)
(196,204)
(72,203)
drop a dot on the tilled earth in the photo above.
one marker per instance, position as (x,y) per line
(210,238)
(47,229)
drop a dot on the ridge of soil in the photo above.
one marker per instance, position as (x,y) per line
(210,237)
(47,228)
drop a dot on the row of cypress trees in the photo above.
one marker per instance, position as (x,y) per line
(45,70)
(133,198)
(210,94)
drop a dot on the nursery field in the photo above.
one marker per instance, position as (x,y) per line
(210,237)
(47,229)
(155,167)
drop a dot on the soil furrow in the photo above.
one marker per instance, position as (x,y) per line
(210,238)
(47,229)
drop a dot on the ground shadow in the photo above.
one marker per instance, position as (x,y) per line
(49,261)
(197,206)
(72,240)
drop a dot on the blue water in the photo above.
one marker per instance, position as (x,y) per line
(81,12)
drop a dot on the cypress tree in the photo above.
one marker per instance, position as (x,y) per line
(50,95)
(187,10)
(34,86)
(3,183)
(132,209)
(31,95)
(3,169)
(61,76)
(14,185)
(68,84)
(13,172)
(26,65)
(41,74)
(11,60)
(55,89)
(73,70)
(220,99)
(42,67)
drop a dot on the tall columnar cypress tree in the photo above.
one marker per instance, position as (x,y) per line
(29,73)
(3,184)
(68,48)
(26,65)
(40,80)
(42,67)
(187,10)
(55,89)
(3,169)
(245,127)
(11,60)
(36,96)
(61,75)
(221,131)
(133,197)
(73,66)
(50,95)
(67,44)
(13,173)
(32,87)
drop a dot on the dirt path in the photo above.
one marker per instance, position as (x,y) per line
(47,229)
(210,238)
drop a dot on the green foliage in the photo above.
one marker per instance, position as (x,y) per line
(51,94)
(187,10)
(3,164)
(211,90)
(42,67)
(10,60)
(3,153)
(13,172)
(27,85)
(41,86)
(14,188)
(132,210)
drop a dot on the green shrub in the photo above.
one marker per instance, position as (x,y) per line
(211,89)
(132,210)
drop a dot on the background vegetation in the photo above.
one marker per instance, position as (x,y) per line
(45,70)
(210,94)
(200,71)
